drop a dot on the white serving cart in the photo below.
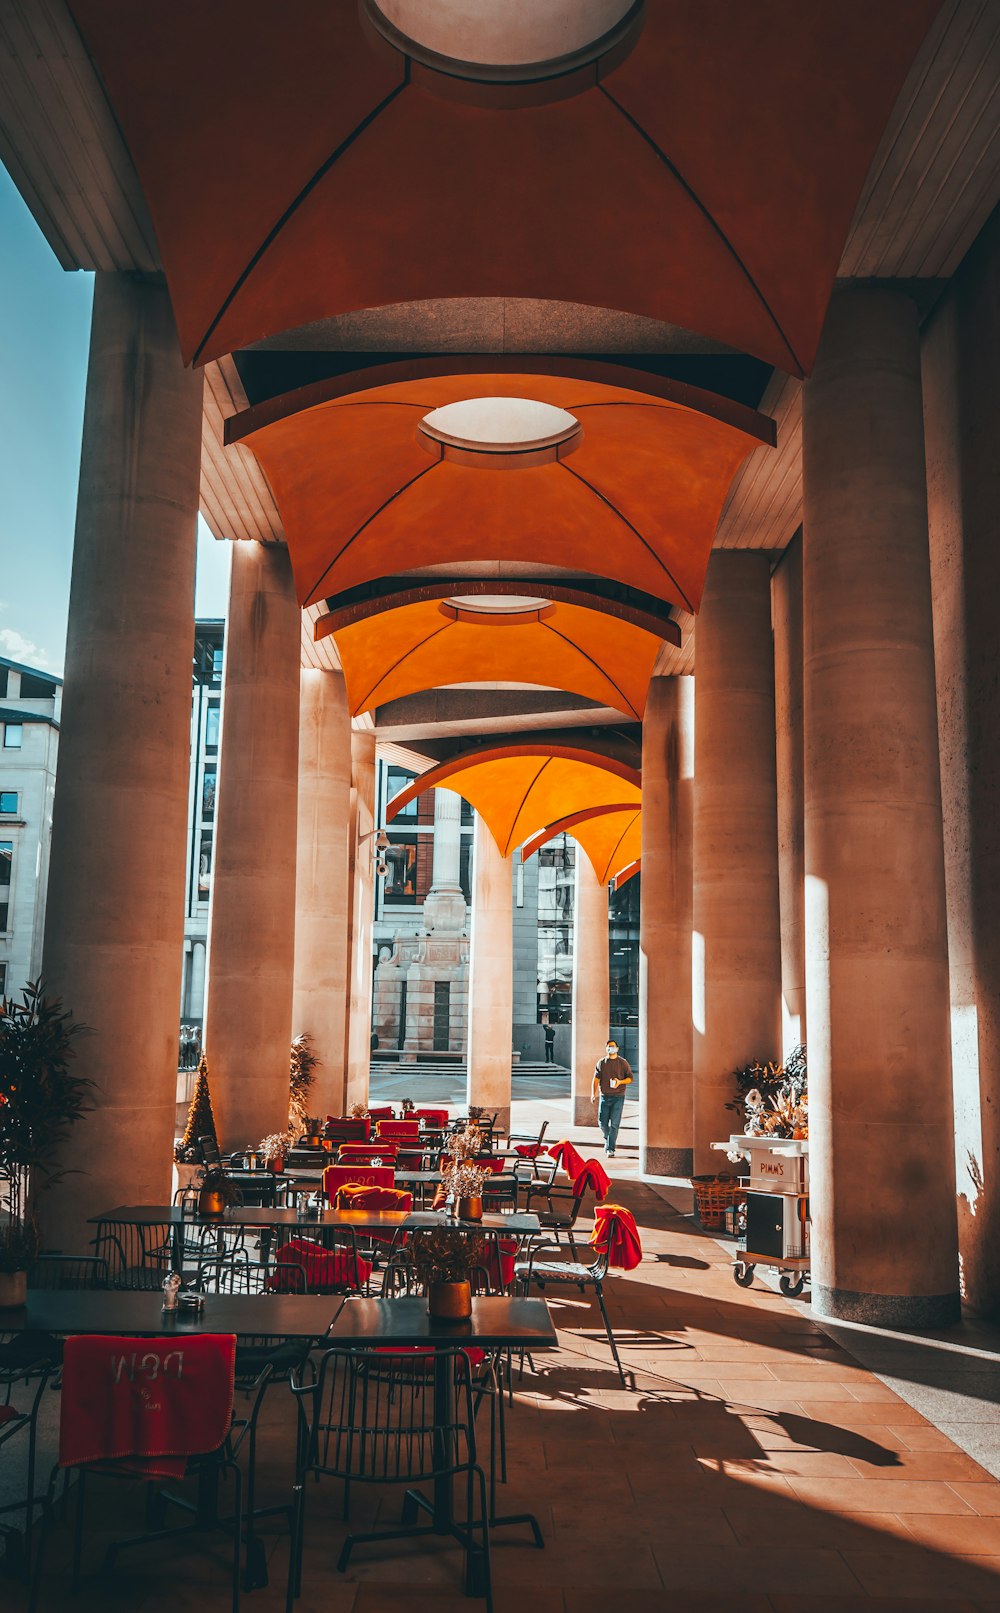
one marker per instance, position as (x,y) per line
(775,1230)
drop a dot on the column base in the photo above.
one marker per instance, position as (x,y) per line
(902,1313)
(667,1161)
(584,1112)
(502,1127)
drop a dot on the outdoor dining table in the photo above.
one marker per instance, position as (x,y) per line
(303,1317)
(269,1220)
(497,1322)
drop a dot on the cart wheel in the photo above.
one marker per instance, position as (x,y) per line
(743,1274)
(791,1287)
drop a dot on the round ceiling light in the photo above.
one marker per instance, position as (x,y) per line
(558,47)
(496,610)
(500,433)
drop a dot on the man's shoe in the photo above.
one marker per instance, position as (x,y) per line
(610,1153)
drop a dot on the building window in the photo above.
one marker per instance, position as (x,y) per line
(212,726)
(12,736)
(33,688)
(208,793)
(205,867)
(217,664)
(6,863)
(397,780)
(3,979)
(8,800)
(442,1016)
(3,680)
(401,880)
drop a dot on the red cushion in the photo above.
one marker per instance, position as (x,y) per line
(325,1269)
(338,1176)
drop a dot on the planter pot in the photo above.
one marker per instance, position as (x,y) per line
(450,1302)
(470,1209)
(13,1289)
(211,1201)
(276,1165)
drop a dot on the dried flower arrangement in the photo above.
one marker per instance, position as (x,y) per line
(445,1255)
(358,1111)
(778,1104)
(467,1144)
(275,1145)
(464,1180)
(407,1106)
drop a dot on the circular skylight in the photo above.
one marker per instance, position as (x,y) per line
(497,604)
(510,42)
(505,33)
(507,433)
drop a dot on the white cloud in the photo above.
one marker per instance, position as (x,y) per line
(19,648)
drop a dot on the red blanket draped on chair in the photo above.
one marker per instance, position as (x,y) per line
(144,1404)
(325,1269)
(592,1175)
(398,1131)
(615,1230)
(355,1196)
(569,1158)
(337,1176)
(434,1117)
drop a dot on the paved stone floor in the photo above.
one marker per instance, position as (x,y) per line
(753,1465)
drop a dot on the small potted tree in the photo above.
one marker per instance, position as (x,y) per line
(443,1261)
(40,1102)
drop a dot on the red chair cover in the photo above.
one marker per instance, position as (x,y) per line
(616,1231)
(528,1150)
(592,1175)
(572,1162)
(356,1197)
(382,1111)
(337,1176)
(410,1162)
(358,1127)
(436,1117)
(325,1269)
(398,1129)
(366,1152)
(504,1276)
(145,1404)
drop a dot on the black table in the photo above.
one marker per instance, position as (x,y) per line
(523,1223)
(290,1316)
(497,1322)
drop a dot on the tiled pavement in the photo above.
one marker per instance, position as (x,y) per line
(752,1466)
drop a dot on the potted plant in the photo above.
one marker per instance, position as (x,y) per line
(465,1182)
(407,1106)
(216,1193)
(443,1261)
(313,1131)
(303,1063)
(40,1102)
(273,1149)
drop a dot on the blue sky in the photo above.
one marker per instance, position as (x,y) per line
(44,334)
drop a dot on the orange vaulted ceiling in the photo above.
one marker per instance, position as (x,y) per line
(433,643)
(610,836)
(294,172)
(638,500)
(518,790)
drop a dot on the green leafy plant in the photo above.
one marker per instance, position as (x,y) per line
(445,1255)
(303,1063)
(40,1102)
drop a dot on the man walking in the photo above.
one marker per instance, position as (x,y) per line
(611,1076)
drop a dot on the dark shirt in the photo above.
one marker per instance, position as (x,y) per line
(608,1070)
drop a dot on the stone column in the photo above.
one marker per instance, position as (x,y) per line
(786,608)
(960,359)
(736,955)
(251,947)
(591,986)
(491,977)
(196,982)
(666,1104)
(362,876)
(321,886)
(881,1128)
(114,932)
(444,908)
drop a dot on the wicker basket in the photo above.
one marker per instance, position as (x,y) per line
(713,1196)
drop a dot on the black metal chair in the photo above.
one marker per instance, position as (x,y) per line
(570,1274)
(561,1212)
(375,1418)
(138,1257)
(27,1360)
(58,1271)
